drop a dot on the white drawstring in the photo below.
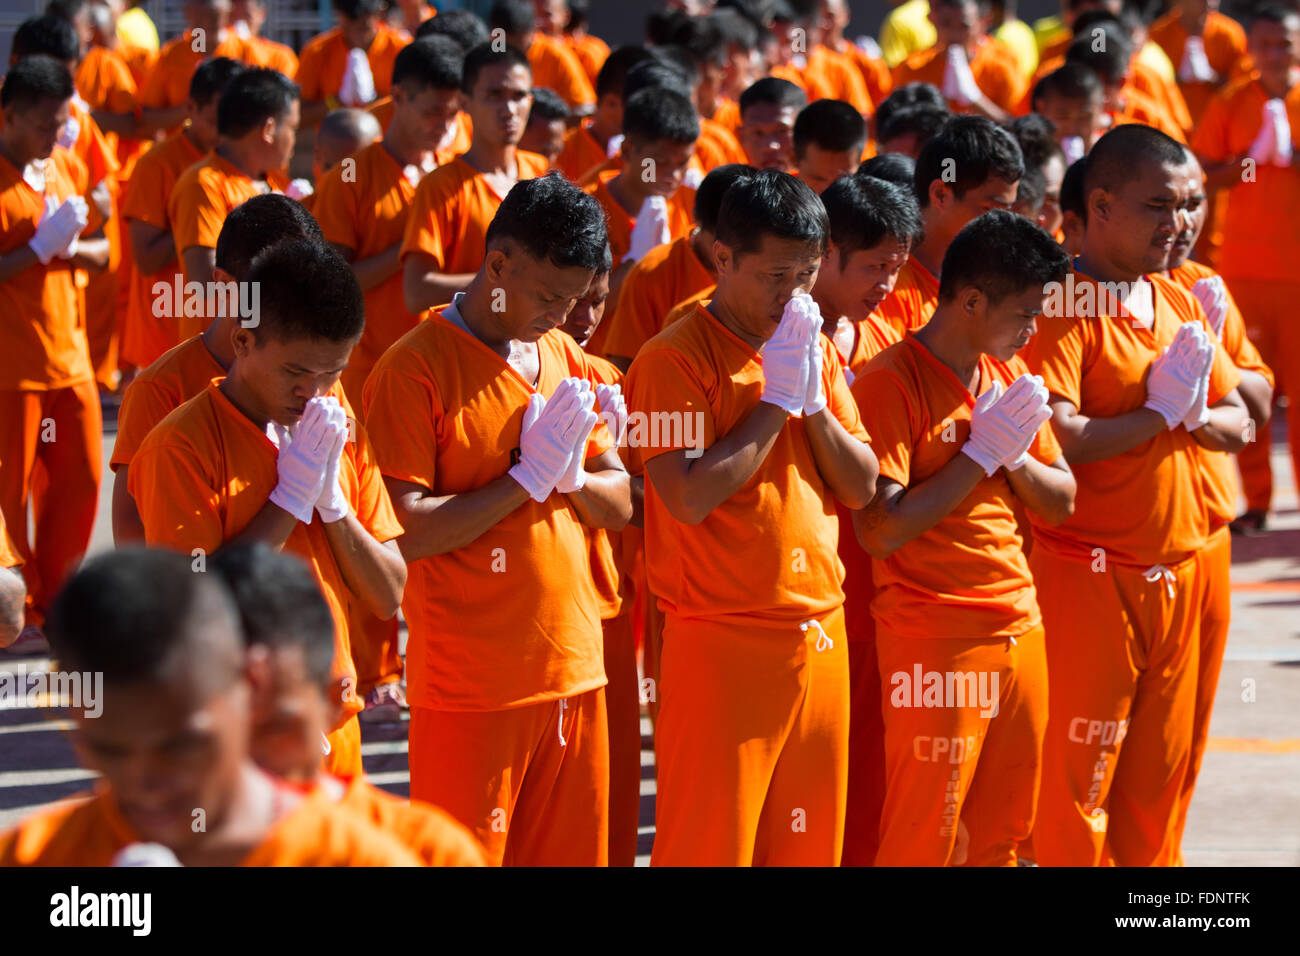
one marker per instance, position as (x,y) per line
(1158,571)
(824,642)
(325,747)
(559,723)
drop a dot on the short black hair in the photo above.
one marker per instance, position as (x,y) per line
(703,39)
(1085,21)
(655,115)
(212,77)
(251,98)
(553,220)
(830,125)
(613,73)
(1032,189)
(484,56)
(579,14)
(548,105)
(680,58)
(1036,135)
(1109,59)
(435,62)
(67,9)
(864,211)
(658,74)
(353,9)
(772,91)
(1027,257)
(34,80)
(466,28)
(515,17)
(1071,81)
(923,121)
(256,225)
(1072,188)
(905,96)
(660,24)
(306,291)
(708,198)
(135,613)
(896,168)
(974,149)
(1115,158)
(280,604)
(48,36)
(771,202)
(736,28)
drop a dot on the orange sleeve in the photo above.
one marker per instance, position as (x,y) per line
(94,151)
(633,322)
(403,410)
(197,212)
(1210,140)
(309,72)
(1238,345)
(335,208)
(887,412)
(373,507)
(427,223)
(146,196)
(174,492)
(1224,376)
(838,397)
(1056,352)
(154,93)
(144,405)
(570,78)
(663,380)
(1045,447)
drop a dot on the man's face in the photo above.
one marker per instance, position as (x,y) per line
(744,66)
(203,123)
(1275,47)
(783,40)
(758,284)
(359,32)
(588,311)
(500,102)
(1003,328)
(954,213)
(290,713)
(252,12)
(208,15)
(545,136)
(1139,221)
(283,136)
(169,749)
(34,130)
(428,113)
(767,133)
(821,167)
(539,295)
(659,166)
(856,284)
(1192,183)
(1073,117)
(1050,215)
(552,16)
(283,376)
(955,24)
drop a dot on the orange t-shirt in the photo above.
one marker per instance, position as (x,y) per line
(452,209)
(169,78)
(606,569)
(1141,107)
(146,336)
(913,299)
(436,837)
(620,222)
(667,275)
(792,74)
(1225,47)
(512,618)
(967,576)
(1259,232)
(105,82)
(1144,506)
(205,471)
(591,51)
(832,75)
(555,67)
(368,213)
(993,66)
(42,335)
(727,114)
(324,58)
(875,73)
(90,831)
(581,153)
(717,146)
(770,550)
(874,335)
(268,53)
(1218,468)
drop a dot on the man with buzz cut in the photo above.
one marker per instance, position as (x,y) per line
(486,433)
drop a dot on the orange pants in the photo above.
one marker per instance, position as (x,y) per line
(1216,613)
(968,761)
(1271,324)
(374,649)
(50,450)
(532,782)
(866,795)
(623,713)
(1122,652)
(344,758)
(752,743)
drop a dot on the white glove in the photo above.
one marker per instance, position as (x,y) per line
(651,228)
(545,440)
(82,214)
(870,47)
(958,81)
(58,228)
(1174,378)
(613,411)
(692,178)
(358,87)
(303,461)
(815,397)
(1073,148)
(574,475)
(998,424)
(614,145)
(69,133)
(299,189)
(1213,296)
(785,356)
(1265,144)
(1195,67)
(242,30)
(1275,110)
(332,505)
(1030,416)
(1199,412)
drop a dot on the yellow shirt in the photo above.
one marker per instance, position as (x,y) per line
(907,29)
(1048,30)
(1156,58)
(135,28)
(1019,38)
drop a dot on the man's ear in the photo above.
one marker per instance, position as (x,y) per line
(1098,205)
(268,130)
(722,256)
(243,340)
(494,265)
(257,673)
(940,193)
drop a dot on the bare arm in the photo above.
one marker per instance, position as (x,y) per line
(374,572)
(92,254)
(374,270)
(127,526)
(199,262)
(17,261)
(423,286)
(1226,429)
(1047,490)
(1258,396)
(123,124)
(153,247)
(272,524)
(436,524)
(13,600)
(605,500)
(1223,175)
(848,465)
(153,121)
(1085,439)
(897,515)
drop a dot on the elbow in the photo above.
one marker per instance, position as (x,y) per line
(879,547)
(686,512)
(412,298)
(1060,513)
(861,494)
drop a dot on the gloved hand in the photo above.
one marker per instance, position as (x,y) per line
(1265,144)
(815,396)
(692,178)
(999,423)
(1213,296)
(1074,148)
(613,411)
(332,505)
(82,210)
(1199,411)
(1276,111)
(574,475)
(1195,67)
(651,228)
(69,132)
(870,47)
(1030,417)
(785,356)
(614,145)
(303,461)
(1174,378)
(59,227)
(358,87)
(546,439)
(958,81)
(300,189)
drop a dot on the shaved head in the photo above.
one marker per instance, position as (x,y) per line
(1112,162)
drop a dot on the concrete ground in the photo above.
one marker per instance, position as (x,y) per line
(1246,811)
